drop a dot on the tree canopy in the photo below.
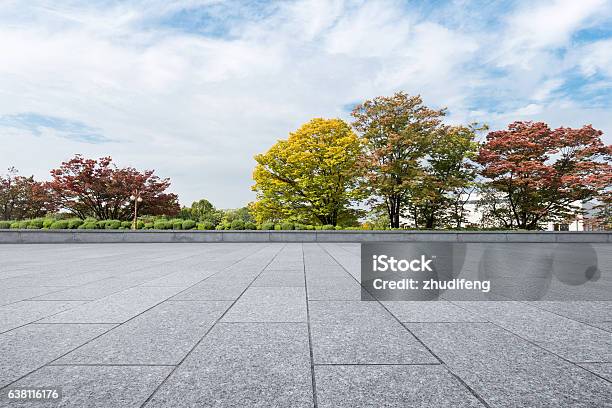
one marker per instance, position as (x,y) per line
(311,176)
(398,132)
(98,188)
(538,173)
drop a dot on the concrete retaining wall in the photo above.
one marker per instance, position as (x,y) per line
(152,236)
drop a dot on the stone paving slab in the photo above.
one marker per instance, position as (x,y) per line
(570,339)
(431,312)
(116,308)
(12,295)
(94,387)
(162,335)
(508,371)
(243,365)
(186,325)
(30,347)
(264,304)
(21,313)
(391,386)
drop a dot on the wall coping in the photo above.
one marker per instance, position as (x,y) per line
(19,236)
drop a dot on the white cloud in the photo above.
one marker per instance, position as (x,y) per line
(197,108)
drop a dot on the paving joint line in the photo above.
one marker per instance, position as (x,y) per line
(310,342)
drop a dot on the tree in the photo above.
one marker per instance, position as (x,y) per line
(447,174)
(398,132)
(98,188)
(539,173)
(23,197)
(311,176)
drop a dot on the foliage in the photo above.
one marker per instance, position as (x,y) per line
(206,225)
(237,224)
(538,173)
(74,223)
(267,226)
(311,175)
(23,197)
(5,224)
(398,132)
(98,188)
(287,226)
(448,171)
(59,224)
(249,225)
(188,224)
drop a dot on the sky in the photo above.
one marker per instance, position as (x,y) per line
(194,89)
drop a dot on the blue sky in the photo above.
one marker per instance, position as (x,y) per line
(195,88)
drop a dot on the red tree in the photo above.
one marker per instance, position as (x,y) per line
(23,197)
(538,172)
(98,188)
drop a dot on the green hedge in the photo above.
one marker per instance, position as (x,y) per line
(189,224)
(237,225)
(287,226)
(59,224)
(5,224)
(75,223)
(206,225)
(267,226)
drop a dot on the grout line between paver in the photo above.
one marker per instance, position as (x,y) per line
(114,327)
(312,364)
(472,391)
(209,329)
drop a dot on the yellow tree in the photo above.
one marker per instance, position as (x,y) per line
(310,176)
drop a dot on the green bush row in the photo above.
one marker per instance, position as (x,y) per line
(161,224)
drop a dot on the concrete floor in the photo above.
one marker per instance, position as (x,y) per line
(277,325)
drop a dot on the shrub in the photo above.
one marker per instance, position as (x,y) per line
(328,227)
(149,225)
(286,225)
(89,225)
(24,224)
(177,224)
(112,224)
(15,225)
(250,225)
(267,226)
(140,224)
(189,224)
(277,227)
(36,223)
(338,228)
(299,226)
(47,222)
(310,227)
(237,225)
(5,224)
(126,225)
(59,224)
(74,223)
(206,225)
(162,225)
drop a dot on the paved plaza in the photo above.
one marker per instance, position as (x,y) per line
(277,325)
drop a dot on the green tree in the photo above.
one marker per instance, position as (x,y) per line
(447,172)
(311,176)
(398,132)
